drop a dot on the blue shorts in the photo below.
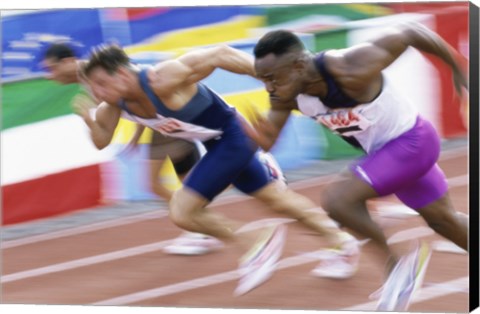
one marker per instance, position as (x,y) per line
(230,159)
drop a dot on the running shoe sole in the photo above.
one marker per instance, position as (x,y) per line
(404,280)
(263,264)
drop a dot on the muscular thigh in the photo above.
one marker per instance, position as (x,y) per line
(348,188)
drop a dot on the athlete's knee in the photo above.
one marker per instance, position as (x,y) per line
(184,206)
(443,223)
(178,217)
(442,220)
(179,214)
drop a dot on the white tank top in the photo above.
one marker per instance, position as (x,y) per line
(372,124)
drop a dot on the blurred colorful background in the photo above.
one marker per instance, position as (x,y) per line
(49,166)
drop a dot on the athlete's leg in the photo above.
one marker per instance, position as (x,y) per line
(225,160)
(184,157)
(156,184)
(429,196)
(284,200)
(345,201)
(188,211)
(397,165)
(443,219)
(428,193)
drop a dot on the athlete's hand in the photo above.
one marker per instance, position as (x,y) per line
(460,81)
(81,105)
(259,129)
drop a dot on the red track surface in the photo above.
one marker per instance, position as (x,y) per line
(74,269)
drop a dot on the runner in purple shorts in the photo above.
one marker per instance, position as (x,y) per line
(346,91)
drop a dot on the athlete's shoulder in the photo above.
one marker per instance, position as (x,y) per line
(167,65)
(336,62)
(169,74)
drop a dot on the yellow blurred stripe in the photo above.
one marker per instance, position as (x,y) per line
(238,28)
(124,132)
(373,9)
(245,100)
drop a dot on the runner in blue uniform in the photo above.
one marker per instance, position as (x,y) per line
(63,66)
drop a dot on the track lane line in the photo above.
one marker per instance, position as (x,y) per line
(202,282)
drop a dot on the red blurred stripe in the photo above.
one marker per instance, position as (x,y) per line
(51,195)
(133,14)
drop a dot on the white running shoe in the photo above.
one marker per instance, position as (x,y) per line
(190,243)
(340,263)
(258,265)
(405,278)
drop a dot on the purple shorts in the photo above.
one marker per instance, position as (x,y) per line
(407,167)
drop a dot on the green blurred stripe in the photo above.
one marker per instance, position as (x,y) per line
(282,14)
(35,100)
(331,39)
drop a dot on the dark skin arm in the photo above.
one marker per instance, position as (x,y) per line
(358,69)
(265,130)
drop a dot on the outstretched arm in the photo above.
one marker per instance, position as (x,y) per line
(378,54)
(421,38)
(196,65)
(203,62)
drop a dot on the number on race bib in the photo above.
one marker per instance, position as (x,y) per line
(344,122)
(169,126)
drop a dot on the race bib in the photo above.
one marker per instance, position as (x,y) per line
(168,126)
(345,122)
(175,128)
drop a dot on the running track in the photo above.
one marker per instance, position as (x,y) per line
(121,262)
